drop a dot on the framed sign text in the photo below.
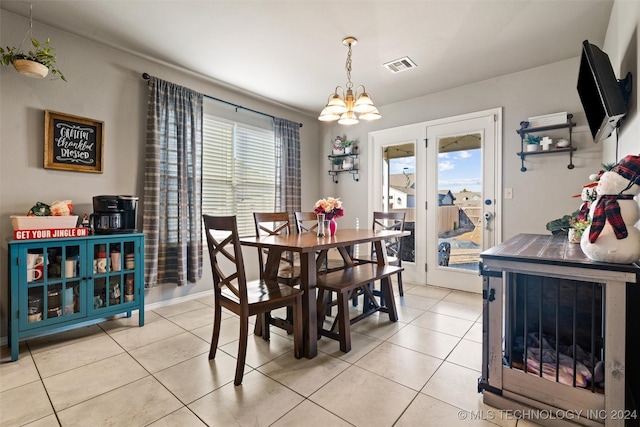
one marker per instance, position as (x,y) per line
(73,143)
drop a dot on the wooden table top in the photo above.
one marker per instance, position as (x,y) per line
(549,249)
(309,242)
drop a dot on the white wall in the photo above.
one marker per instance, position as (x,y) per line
(621,44)
(541,194)
(103,84)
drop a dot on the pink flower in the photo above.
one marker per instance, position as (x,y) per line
(330,207)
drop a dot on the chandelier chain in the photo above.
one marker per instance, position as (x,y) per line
(348,68)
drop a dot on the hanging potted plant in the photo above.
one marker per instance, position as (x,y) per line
(35,63)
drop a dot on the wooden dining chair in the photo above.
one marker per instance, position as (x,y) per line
(390,221)
(270,224)
(244,298)
(307,222)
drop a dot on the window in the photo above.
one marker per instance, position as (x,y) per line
(238,170)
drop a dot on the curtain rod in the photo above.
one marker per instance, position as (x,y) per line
(146,76)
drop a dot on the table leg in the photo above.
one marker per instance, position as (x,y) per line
(309,311)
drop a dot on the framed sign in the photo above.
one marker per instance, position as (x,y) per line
(73,143)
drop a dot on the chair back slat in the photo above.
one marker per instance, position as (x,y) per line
(306,222)
(223,242)
(270,224)
(390,221)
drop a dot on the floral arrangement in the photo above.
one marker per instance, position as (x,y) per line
(579,225)
(576,228)
(330,207)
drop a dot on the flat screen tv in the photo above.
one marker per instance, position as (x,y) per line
(604,97)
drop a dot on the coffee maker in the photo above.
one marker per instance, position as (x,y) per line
(114,214)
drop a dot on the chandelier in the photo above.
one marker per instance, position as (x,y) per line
(343,107)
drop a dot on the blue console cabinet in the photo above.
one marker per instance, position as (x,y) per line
(56,283)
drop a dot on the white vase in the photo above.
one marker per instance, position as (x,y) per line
(532,147)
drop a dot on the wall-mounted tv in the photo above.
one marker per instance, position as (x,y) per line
(604,97)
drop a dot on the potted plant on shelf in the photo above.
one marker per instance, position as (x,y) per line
(35,63)
(533,142)
(347,144)
(336,163)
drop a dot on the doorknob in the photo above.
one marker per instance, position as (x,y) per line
(488,216)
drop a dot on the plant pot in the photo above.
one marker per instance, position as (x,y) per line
(574,236)
(532,147)
(30,68)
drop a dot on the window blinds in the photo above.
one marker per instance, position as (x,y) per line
(238,170)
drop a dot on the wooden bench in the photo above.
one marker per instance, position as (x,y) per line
(344,283)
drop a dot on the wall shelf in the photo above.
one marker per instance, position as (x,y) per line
(523,132)
(350,159)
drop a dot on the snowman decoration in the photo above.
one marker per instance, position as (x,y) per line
(612,235)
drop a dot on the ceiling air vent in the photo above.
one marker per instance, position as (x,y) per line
(401,64)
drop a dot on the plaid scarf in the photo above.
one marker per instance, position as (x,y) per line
(584,211)
(608,209)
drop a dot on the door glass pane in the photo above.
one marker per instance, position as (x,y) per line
(460,201)
(399,190)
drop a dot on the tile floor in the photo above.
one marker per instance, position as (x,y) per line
(420,371)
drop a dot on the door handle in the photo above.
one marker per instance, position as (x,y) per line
(488,217)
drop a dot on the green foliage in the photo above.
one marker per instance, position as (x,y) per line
(533,139)
(42,53)
(562,225)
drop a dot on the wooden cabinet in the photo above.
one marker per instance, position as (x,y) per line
(523,132)
(56,283)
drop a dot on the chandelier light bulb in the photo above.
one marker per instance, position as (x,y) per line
(372,115)
(348,118)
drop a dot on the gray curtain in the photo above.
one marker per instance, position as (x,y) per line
(173,184)
(288,177)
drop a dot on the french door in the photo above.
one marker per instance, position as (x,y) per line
(445,175)
(396,170)
(463,197)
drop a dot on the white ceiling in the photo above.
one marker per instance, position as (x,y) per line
(291,51)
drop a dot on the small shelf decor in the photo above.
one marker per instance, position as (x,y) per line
(344,158)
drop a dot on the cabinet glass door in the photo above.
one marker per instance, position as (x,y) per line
(52,274)
(113,272)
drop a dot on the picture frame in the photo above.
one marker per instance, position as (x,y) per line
(73,143)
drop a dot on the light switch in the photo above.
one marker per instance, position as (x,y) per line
(508,193)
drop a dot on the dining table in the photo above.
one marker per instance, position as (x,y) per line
(312,251)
